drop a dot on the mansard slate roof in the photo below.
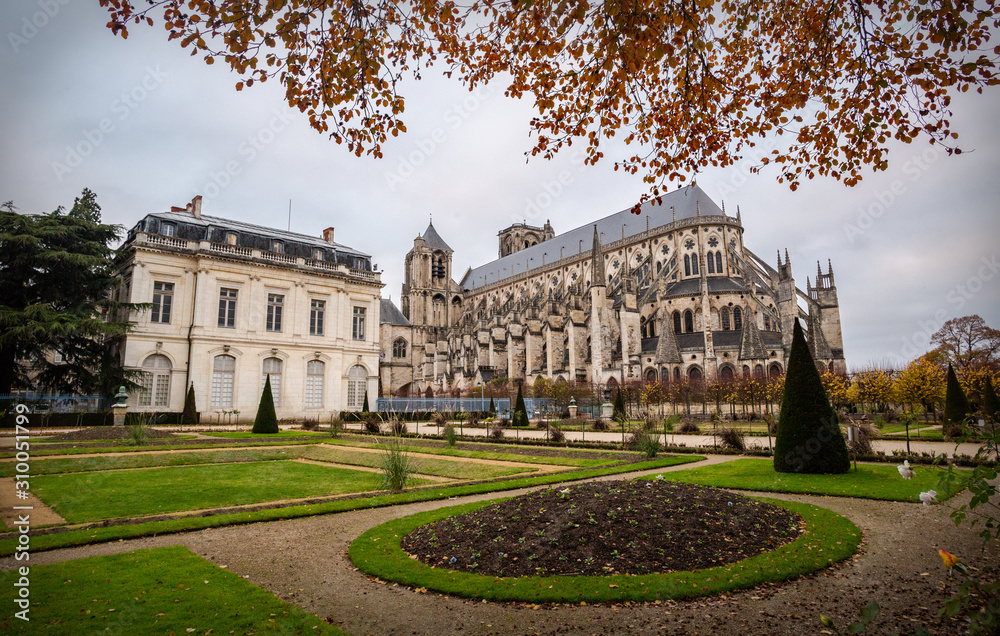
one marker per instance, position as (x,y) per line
(207,222)
(434,240)
(686,202)
(390,314)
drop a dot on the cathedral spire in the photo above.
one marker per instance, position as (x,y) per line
(738,217)
(751,344)
(666,347)
(597,256)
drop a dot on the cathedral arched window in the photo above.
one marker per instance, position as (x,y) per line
(767,323)
(677,322)
(726,374)
(677,373)
(688,321)
(724,317)
(694,265)
(687,264)
(711,263)
(737,318)
(718,262)
(438,310)
(758,371)
(399,348)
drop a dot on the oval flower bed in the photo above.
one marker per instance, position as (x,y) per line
(606,541)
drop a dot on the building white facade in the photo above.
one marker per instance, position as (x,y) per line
(232,303)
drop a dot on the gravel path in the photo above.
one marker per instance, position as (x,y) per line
(304,561)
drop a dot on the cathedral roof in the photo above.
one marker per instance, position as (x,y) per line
(685,203)
(390,314)
(434,240)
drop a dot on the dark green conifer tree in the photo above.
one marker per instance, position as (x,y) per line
(956,405)
(618,414)
(493,406)
(991,404)
(520,412)
(266,421)
(364,407)
(190,414)
(808,438)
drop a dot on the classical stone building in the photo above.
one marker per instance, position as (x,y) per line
(232,303)
(666,294)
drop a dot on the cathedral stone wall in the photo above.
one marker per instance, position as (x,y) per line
(669,293)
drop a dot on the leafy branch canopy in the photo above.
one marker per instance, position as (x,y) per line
(688,84)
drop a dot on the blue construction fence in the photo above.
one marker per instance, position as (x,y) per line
(55,403)
(536,407)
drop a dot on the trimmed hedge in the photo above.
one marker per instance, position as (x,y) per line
(104,418)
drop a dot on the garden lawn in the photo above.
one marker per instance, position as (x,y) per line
(249,435)
(422,465)
(869,481)
(82,497)
(448,451)
(162,591)
(148,460)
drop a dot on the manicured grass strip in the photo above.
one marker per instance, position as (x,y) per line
(828,538)
(115,533)
(82,497)
(160,591)
(80,450)
(423,465)
(249,435)
(867,482)
(131,460)
(447,451)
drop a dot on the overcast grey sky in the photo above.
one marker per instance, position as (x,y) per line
(147,126)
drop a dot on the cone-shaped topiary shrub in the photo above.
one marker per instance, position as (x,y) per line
(493,406)
(266,421)
(808,438)
(520,412)
(190,414)
(364,407)
(956,406)
(618,414)
(991,404)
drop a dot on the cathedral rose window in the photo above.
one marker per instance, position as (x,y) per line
(712,242)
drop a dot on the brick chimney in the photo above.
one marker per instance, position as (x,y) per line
(328,235)
(196,207)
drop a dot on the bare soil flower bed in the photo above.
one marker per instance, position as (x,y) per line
(601,528)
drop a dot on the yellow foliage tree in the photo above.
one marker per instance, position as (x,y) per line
(874,388)
(686,84)
(921,382)
(838,389)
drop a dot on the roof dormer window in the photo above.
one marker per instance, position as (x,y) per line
(168,229)
(277,247)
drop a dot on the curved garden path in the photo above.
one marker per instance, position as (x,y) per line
(304,561)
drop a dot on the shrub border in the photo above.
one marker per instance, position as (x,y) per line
(828,539)
(104,534)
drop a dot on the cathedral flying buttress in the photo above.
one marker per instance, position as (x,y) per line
(667,294)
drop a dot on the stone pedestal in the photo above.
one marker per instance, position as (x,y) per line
(607,410)
(572,410)
(119,412)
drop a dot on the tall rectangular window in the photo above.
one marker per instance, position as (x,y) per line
(274,305)
(227,307)
(315,370)
(317,310)
(358,327)
(163,299)
(168,229)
